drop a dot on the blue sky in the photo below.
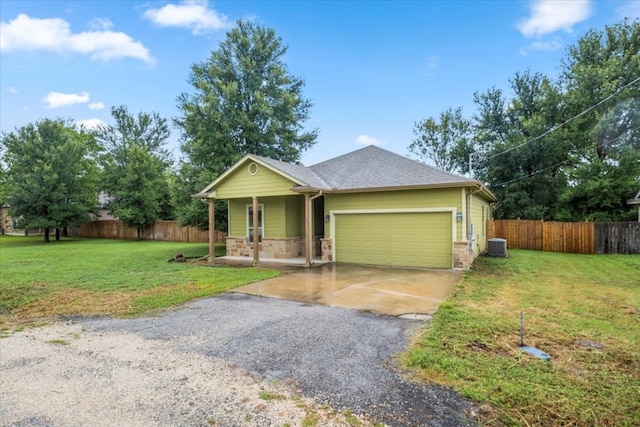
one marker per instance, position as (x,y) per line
(372,68)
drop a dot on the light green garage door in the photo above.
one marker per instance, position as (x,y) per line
(399,239)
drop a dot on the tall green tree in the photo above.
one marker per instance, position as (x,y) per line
(135,166)
(598,74)
(244,100)
(446,142)
(51,175)
(520,161)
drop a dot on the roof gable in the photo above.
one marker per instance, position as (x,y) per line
(270,164)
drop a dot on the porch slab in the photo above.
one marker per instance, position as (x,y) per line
(242,260)
(384,290)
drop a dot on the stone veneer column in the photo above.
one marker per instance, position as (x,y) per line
(461,256)
(327,254)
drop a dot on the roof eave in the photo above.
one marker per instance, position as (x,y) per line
(210,195)
(307,189)
(465,184)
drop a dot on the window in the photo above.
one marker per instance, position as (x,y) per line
(250,222)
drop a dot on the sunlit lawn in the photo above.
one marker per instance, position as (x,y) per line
(472,344)
(105,277)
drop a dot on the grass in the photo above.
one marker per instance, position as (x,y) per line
(105,277)
(472,343)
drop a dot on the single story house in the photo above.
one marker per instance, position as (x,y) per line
(370,206)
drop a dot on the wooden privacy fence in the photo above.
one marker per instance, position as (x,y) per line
(572,237)
(161,230)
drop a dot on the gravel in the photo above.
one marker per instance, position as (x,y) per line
(231,360)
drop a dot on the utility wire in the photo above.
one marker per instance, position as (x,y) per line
(530,175)
(560,163)
(553,129)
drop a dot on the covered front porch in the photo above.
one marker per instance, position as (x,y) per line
(277,229)
(273,214)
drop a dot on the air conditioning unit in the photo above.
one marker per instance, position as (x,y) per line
(497,247)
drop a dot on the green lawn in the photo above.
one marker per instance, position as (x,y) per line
(472,344)
(110,277)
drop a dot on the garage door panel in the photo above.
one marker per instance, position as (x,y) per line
(402,239)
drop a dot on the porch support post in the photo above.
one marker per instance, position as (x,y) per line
(307,230)
(212,230)
(256,234)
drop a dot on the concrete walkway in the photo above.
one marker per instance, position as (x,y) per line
(384,290)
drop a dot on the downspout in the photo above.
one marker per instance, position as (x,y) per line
(309,227)
(469,224)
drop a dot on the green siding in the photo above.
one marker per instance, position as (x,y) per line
(294,216)
(281,216)
(240,183)
(400,239)
(238,217)
(400,199)
(479,224)
(274,217)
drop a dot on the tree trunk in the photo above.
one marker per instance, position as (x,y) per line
(57,234)
(65,231)
(46,235)
(138,233)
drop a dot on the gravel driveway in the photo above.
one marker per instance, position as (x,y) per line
(229,360)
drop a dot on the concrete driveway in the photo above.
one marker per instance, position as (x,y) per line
(384,290)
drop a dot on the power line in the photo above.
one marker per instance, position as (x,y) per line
(553,129)
(558,164)
(530,175)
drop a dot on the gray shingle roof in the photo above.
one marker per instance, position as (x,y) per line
(299,172)
(374,167)
(369,168)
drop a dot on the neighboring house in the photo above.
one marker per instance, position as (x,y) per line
(636,201)
(6,222)
(103,211)
(370,206)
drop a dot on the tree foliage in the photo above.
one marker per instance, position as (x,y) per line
(134,167)
(446,143)
(244,100)
(606,139)
(521,164)
(51,175)
(564,149)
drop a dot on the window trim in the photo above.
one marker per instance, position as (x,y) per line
(260,226)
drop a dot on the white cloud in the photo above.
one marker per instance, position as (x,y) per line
(12,89)
(90,123)
(368,140)
(57,99)
(192,14)
(100,24)
(548,46)
(54,35)
(96,106)
(549,16)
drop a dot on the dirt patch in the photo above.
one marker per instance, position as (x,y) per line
(64,375)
